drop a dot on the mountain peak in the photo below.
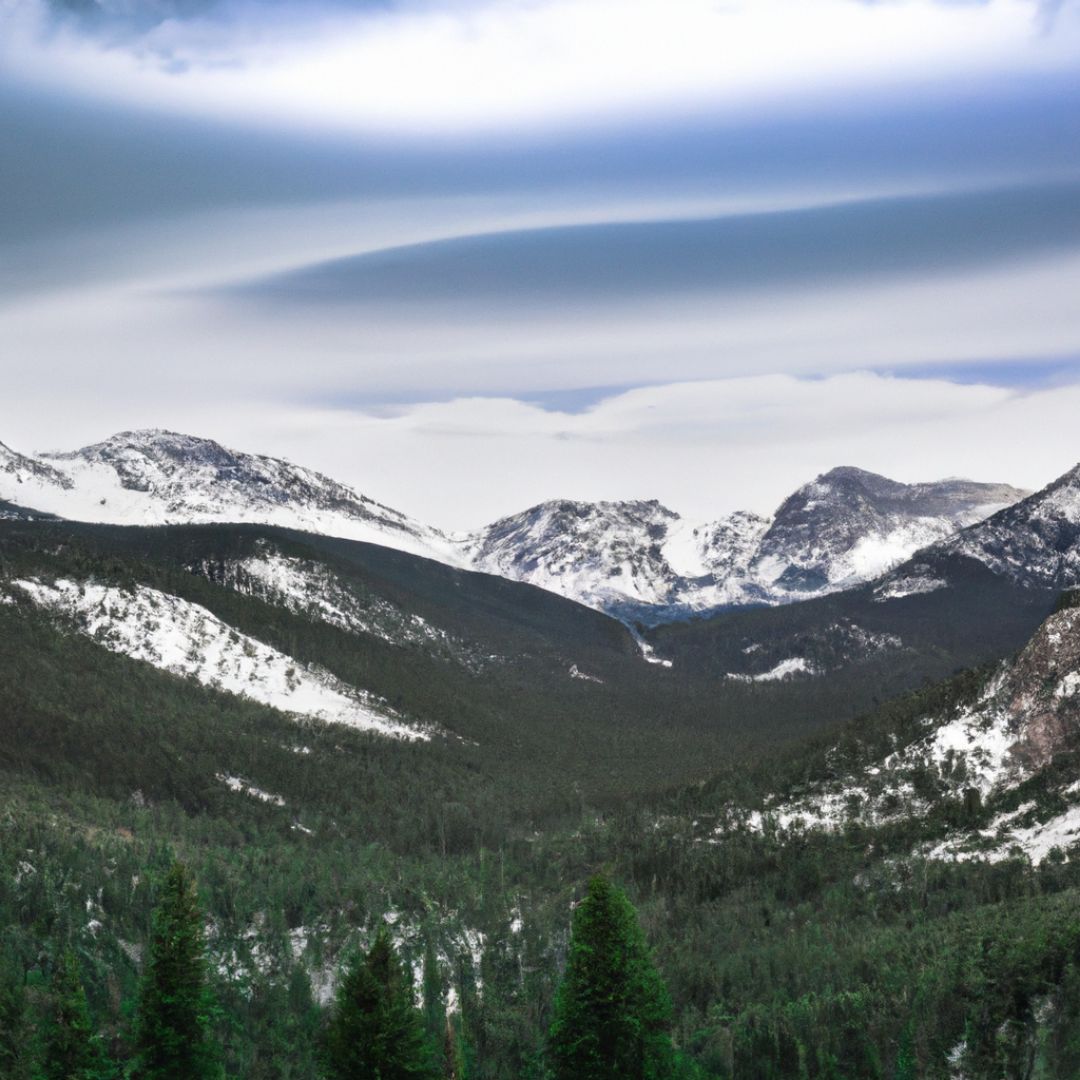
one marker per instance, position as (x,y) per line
(1034,542)
(851,472)
(161,445)
(157,476)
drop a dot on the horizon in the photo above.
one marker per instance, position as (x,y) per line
(459,533)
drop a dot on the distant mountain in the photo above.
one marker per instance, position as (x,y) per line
(1034,544)
(643,561)
(158,477)
(637,560)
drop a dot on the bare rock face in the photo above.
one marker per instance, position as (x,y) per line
(1043,692)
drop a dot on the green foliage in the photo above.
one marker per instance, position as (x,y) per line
(800,956)
(71,1049)
(612,1011)
(175,1005)
(375,1030)
(435,1021)
(14,1023)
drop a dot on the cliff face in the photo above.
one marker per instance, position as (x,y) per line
(1043,692)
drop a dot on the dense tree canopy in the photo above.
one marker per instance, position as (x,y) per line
(175,1006)
(376,1030)
(612,1011)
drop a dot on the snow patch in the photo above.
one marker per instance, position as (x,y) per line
(188,640)
(245,787)
(897,588)
(1036,841)
(577,673)
(786,669)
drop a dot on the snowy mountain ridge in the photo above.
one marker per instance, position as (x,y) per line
(637,560)
(156,477)
(1034,543)
(640,560)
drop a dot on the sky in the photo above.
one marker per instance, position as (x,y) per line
(467,256)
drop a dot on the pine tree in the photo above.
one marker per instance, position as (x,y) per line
(454,1067)
(376,1030)
(70,1049)
(612,1011)
(175,1005)
(434,1008)
(14,1027)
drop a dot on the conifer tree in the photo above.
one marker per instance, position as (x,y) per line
(175,1005)
(375,1029)
(434,1007)
(14,1060)
(612,1010)
(70,1048)
(454,1067)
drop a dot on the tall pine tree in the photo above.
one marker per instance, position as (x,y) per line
(175,1006)
(70,1048)
(375,1029)
(434,1006)
(612,1010)
(14,1024)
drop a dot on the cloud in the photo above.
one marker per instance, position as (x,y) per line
(453,67)
(735,254)
(703,448)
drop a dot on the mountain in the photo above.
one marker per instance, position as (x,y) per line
(637,560)
(1036,542)
(642,561)
(849,526)
(158,477)
(1004,743)
(338,736)
(1034,545)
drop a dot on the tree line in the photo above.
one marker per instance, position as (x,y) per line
(612,1012)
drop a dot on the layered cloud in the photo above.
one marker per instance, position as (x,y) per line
(490,64)
(469,255)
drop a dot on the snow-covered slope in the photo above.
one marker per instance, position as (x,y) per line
(183,638)
(642,560)
(1035,543)
(1026,717)
(160,477)
(308,587)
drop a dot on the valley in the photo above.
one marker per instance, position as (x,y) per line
(846,821)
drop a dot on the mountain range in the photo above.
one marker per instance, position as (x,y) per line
(637,560)
(345,719)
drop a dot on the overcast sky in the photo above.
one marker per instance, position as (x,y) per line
(467,256)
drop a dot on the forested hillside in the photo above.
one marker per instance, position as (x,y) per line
(551,749)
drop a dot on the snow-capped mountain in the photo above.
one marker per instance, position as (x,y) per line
(643,560)
(1035,543)
(161,477)
(850,525)
(604,554)
(638,560)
